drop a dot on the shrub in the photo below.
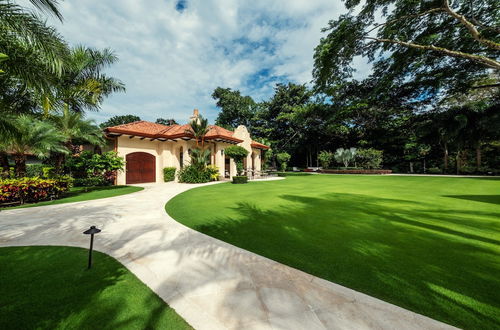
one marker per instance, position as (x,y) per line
(213,171)
(192,174)
(169,174)
(33,170)
(283,158)
(369,158)
(345,156)
(33,189)
(91,182)
(240,179)
(90,165)
(434,170)
(325,158)
(237,153)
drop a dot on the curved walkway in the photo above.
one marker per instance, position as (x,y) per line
(211,284)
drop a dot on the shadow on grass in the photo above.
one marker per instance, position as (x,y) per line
(396,250)
(50,288)
(492,199)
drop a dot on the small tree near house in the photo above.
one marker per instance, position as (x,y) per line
(237,153)
(283,159)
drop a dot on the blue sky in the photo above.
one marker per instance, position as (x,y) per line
(173,53)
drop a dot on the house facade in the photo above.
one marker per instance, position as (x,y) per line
(149,147)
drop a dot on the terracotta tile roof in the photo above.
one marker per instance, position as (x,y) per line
(153,130)
(258,145)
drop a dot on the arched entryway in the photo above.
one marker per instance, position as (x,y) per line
(141,168)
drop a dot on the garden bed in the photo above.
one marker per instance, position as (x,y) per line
(356,171)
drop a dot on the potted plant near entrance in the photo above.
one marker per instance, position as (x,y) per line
(237,153)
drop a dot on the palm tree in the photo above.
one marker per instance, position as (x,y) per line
(33,57)
(199,128)
(73,127)
(83,86)
(36,137)
(33,48)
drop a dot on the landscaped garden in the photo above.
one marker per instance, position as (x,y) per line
(79,194)
(50,288)
(428,244)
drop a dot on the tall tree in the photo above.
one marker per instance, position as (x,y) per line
(75,129)
(167,122)
(83,85)
(34,136)
(429,45)
(235,109)
(119,120)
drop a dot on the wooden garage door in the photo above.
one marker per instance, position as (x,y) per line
(141,167)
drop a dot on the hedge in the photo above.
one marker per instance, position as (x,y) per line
(91,182)
(240,179)
(169,174)
(357,171)
(32,190)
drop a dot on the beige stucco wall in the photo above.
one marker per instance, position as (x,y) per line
(167,153)
(126,145)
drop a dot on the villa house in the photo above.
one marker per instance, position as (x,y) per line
(149,147)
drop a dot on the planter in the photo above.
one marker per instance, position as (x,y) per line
(357,171)
(240,179)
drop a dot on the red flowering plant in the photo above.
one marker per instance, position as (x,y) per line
(32,190)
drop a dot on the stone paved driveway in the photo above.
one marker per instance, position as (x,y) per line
(212,284)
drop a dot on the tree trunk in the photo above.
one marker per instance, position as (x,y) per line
(59,163)
(478,157)
(411,167)
(425,167)
(445,157)
(20,161)
(458,161)
(4,161)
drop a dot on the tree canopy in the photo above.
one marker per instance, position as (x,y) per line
(417,47)
(119,120)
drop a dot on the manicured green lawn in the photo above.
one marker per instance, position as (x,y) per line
(78,194)
(50,288)
(428,244)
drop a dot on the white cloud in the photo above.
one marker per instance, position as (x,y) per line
(172,61)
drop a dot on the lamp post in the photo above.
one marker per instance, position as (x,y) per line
(91,231)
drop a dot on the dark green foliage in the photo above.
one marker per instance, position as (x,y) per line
(325,158)
(49,287)
(428,244)
(169,174)
(93,181)
(235,108)
(40,170)
(193,174)
(403,67)
(237,153)
(283,159)
(240,179)
(88,165)
(167,122)
(369,158)
(434,170)
(119,120)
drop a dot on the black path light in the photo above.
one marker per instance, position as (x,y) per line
(91,231)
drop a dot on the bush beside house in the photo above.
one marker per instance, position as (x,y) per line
(169,174)
(90,169)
